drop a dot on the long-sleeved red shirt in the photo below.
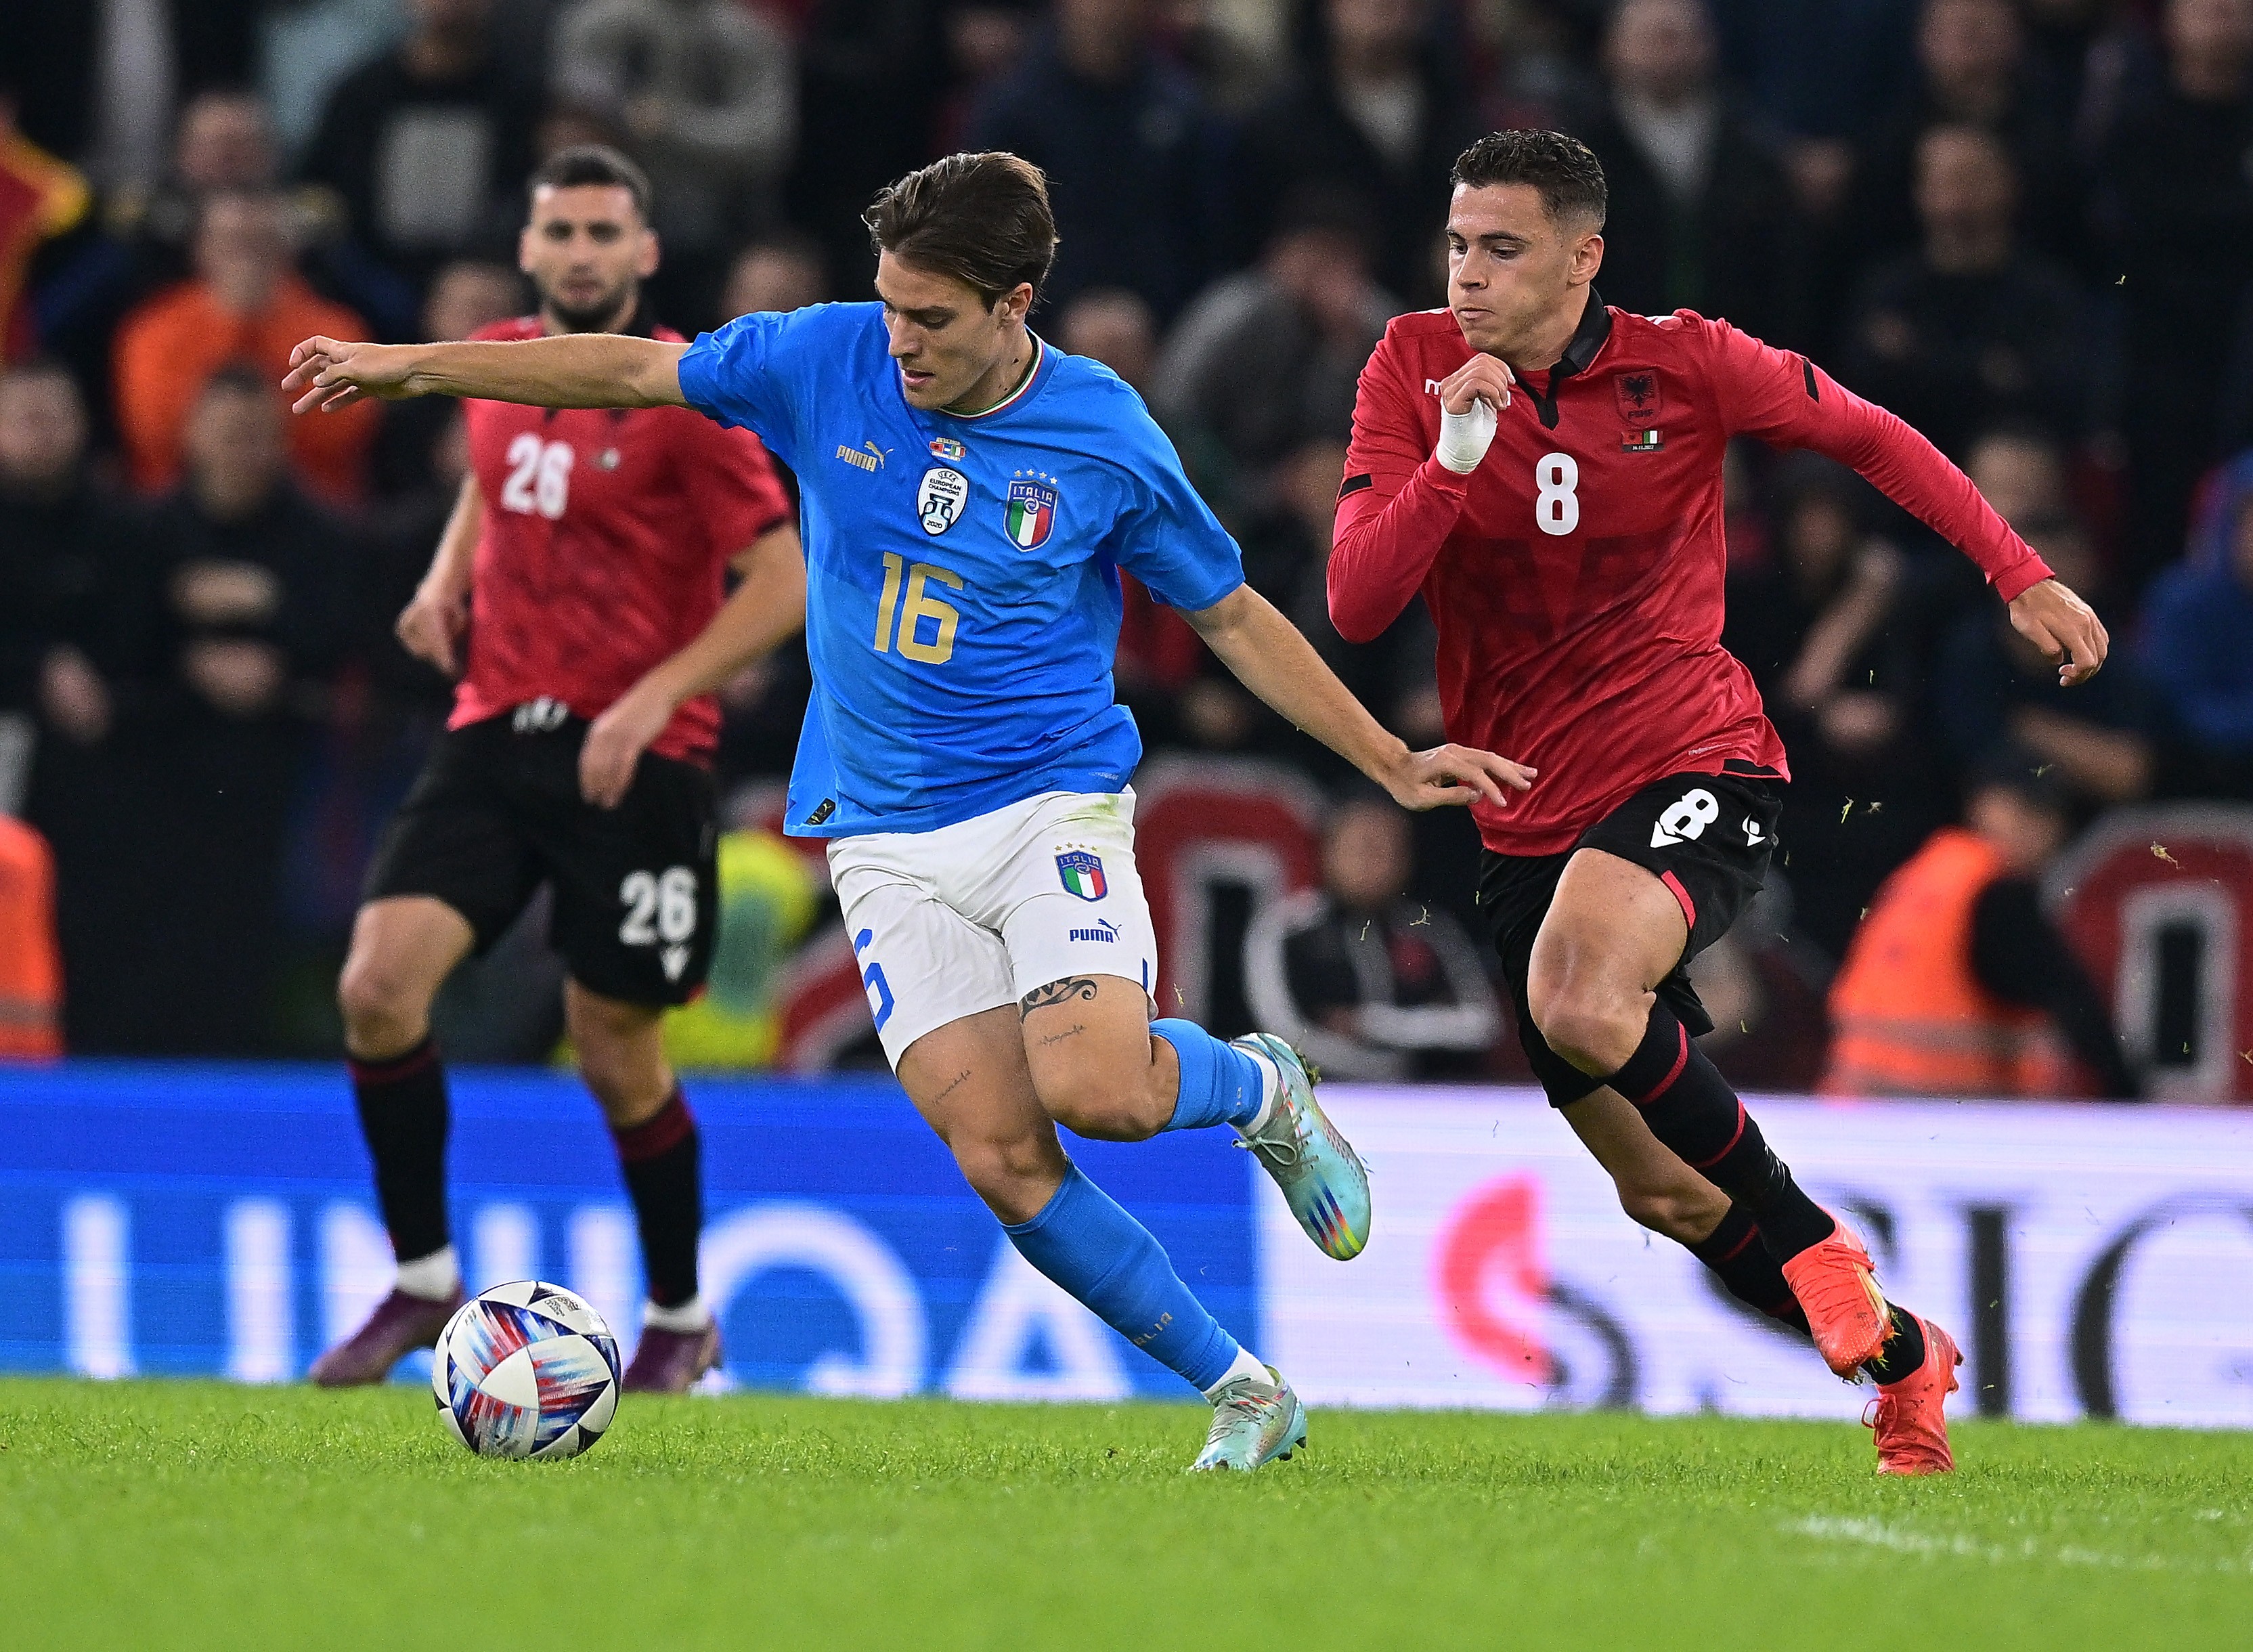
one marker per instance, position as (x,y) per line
(1575,577)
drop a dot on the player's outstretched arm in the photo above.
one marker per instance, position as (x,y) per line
(1270,659)
(767,607)
(1788,401)
(576,370)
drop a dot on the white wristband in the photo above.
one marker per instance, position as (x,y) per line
(1464,437)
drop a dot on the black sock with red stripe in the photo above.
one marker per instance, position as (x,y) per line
(1735,1256)
(662,1157)
(402,1114)
(1690,1106)
(1754,1277)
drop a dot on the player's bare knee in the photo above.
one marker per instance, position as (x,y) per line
(386,1011)
(1013,1174)
(630,1092)
(619,1059)
(1595,1031)
(1106,1109)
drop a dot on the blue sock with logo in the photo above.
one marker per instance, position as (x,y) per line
(1220,1083)
(1083,1241)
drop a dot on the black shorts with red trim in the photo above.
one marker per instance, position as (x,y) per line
(496,812)
(1707,837)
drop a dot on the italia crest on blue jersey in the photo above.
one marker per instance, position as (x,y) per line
(1032,511)
(1083,874)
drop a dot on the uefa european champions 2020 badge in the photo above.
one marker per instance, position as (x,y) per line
(941,499)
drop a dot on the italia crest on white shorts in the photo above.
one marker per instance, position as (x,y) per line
(961,919)
(1083,874)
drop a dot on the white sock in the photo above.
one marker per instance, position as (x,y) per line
(1271,1085)
(433,1277)
(683,1317)
(1243,1365)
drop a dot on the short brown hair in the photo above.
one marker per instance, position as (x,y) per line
(980,220)
(595,165)
(1564,169)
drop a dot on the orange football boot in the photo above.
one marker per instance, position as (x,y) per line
(1912,1429)
(1845,1310)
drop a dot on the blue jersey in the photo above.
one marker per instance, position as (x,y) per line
(962,599)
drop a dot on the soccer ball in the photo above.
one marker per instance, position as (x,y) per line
(526,1370)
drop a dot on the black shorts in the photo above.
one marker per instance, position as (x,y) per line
(1708,837)
(496,812)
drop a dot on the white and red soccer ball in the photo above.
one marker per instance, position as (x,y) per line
(526,1370)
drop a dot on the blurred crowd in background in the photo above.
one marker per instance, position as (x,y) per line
(2027,226)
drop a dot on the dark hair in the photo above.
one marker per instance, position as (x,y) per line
(1326,209)
(785,243)
(591,164)
(240,379)
(1354,793)
(2014,769)
(1564,169)
(980,220)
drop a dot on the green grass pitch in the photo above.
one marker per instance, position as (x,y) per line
(179,1515)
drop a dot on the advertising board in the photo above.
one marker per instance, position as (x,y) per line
(2091,1260)
(217,1221)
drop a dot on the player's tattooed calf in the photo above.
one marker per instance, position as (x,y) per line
(1055,993)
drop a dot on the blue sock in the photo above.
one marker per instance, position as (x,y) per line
(1083,1241)
(1220,1083)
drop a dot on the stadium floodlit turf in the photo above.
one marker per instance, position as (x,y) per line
(197,1514)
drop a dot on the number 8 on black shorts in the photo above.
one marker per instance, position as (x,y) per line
(1708,838)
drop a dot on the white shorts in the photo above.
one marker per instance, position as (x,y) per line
(974,915)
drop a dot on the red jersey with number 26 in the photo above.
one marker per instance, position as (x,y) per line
(606,540)
(1576,575)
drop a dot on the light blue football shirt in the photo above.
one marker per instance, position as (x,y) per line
(962,600)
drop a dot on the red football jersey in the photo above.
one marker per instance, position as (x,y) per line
(607,534)
(1576,575)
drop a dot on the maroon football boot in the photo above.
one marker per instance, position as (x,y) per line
(669,1362)
(400,1324)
